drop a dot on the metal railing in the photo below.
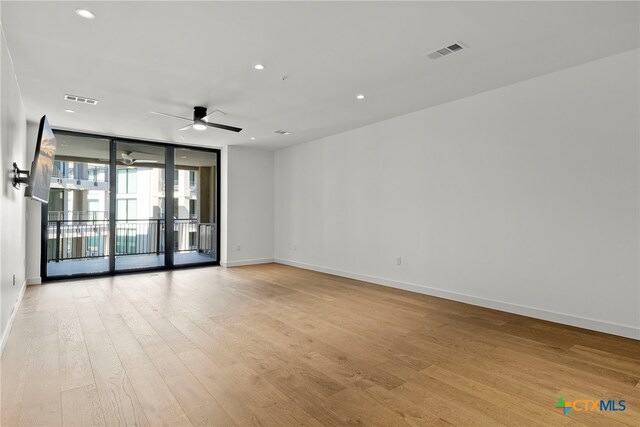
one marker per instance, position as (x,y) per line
(139,236)
(185,235)
(76,239)
(89,238)
(207,239)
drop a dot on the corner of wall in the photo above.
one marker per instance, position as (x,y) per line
(247,197)
(224,200)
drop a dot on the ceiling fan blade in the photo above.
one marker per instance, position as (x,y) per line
(186,127)
(213,112)
(170,115)
(225,127)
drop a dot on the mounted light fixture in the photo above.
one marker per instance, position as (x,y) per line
(199,125)
(84,13)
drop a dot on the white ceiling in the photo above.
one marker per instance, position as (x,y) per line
(135,57)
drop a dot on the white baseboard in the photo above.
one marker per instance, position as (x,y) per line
(34,281)
(7,329)
(246,262)
(538,313)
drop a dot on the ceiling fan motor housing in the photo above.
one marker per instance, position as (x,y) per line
(199,113)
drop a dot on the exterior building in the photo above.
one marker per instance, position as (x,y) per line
(79,210)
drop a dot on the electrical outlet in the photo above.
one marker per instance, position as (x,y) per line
(295,247)
(238,248)
(399,260)
(14,280)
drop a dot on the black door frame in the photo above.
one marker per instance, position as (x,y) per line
(168,200)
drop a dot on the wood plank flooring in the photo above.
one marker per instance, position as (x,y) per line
(279,346)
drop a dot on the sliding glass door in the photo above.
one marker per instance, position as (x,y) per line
(120,205)
(76,223)
(195,207)
(140,206)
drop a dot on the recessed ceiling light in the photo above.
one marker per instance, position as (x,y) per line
(85,13)
(361,96)
(259,67)
(69,111)
(183,157)
(252,138)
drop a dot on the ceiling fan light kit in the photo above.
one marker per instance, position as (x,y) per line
(199,125)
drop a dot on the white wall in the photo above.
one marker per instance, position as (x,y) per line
(12,201)
(247,198)
(524,198)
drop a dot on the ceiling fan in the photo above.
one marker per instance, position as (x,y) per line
(199,121)
(128,160)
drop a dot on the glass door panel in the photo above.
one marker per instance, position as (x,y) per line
(77,231)
(140,206)
(194,207)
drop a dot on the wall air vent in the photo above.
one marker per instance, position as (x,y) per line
(456,47)
(81,99)
(282,132)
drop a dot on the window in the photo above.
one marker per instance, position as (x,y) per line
(93,207)
(97,173)
(69,169)
(161,181)
(122,181)
(97,212)
(192,209)
(58,168)
(127,181)
(127,209)
(161,207)
(103,174)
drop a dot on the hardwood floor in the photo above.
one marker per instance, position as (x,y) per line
(276,345)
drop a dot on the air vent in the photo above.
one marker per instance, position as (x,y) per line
(456,47)
(283,132)
(81,99)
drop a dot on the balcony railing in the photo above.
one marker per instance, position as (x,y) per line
(89,238)
(139,236)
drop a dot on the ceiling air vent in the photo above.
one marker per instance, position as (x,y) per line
(282,132)
(81,99)
(456,47)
